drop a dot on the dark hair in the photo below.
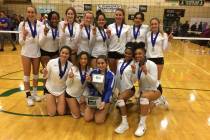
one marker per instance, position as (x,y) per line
(140,45)
(65,47)
(102,57)
(74,11)
(131,46)
(123,11)
(80,55)
(139,13)
(100,13)
(51,13)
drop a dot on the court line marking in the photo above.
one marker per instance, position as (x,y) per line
(193,64)
(10,73)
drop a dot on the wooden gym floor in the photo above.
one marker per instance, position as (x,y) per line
(186,82)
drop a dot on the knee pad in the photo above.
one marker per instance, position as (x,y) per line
(35,77)
(144,101)
(26,78)
(120,103)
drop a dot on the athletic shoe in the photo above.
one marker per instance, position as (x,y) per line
(122,128)
(140,130)
(30,101)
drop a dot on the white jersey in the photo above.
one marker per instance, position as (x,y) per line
(30,46)
(160,45)
(54,84)
(149,81)
(85,44)
(74,86)
(118,45)
(99,46)
(127,79)
(65,36)
(141,36)
(46,42)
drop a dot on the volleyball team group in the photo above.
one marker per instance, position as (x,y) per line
(72,53)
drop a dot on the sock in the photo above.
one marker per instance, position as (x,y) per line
(124,119)
(34,91)
(142,119)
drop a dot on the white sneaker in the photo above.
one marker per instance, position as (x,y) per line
(30,101)
(122,128)
(140,130)
(36,98)
(161,101)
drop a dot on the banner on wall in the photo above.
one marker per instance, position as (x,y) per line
(79,7)
(45,9)
(191,2)
(133,9)
(142,8)
(87,7)
(109,8)
(131,17)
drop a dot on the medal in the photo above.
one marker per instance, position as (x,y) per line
(153,40)
(122,68)
(71,30)
(135,33)
(103,34)
(33,31)
(118,32)
(87,29)
(62,72)
(54,34)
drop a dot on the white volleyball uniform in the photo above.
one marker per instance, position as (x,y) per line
(65,36)
(141,36)
(74,87)
(118,45)
(127,79)
(99,46)
(54,84)
(46,42)
(84,44)
(30,46)
(160,45)
(149,81)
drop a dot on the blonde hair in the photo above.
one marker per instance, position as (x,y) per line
(158,20)
(32,6)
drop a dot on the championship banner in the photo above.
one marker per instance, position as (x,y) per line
(109,8)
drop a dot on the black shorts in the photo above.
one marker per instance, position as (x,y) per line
(115,55)
(67,95)
(157,61)
(46,91)
(50,54)
(160,88)
(133,89)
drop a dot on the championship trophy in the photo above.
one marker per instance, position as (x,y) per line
(96,88)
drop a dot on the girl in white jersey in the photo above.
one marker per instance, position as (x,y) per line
(101,39)
(86,34)
(125,78)
(30,52)
(118,39)
(147,74)
(49,39)
(138,30)
(70,31)
(157,43)
(56,74)
(76,85)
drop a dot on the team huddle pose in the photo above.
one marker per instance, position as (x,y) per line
(85,63)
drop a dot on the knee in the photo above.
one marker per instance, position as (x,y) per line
(61,112)
(144,101)
(51,114)
(99,120)
(120,103)
(88,118)
(75,115)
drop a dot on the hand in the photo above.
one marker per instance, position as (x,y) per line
(108,32)
(81,25)
(46,30)
(82,99)
(88,78)
(101,106)
(25,32)
(144,69)
(45,72)
(94,30)
(170,36)
(133,68)
(71,74)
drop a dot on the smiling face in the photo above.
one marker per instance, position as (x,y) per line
(31,13)
(128,54)
(64,54)
(119,17)
(83,61)
(101,64)
(101,21)
(154,25)
(139,55)
(138,20)
(54,20)
(70,15)
(88,19)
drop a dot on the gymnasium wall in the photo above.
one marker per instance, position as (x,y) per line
(155,7)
